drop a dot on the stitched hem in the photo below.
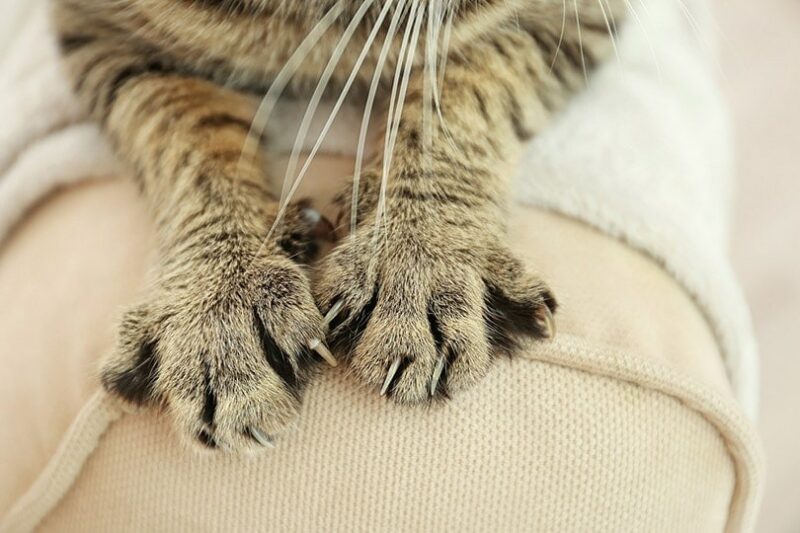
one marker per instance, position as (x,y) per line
(719,410)
(77,445)
(723,413)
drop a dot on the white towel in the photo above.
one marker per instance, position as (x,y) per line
(644,155)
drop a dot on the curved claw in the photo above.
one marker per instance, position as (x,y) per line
(262,438)
(390,376)
(545,318)
(321,228)
(323,351)
(332,313)
(311,215)
(437,374)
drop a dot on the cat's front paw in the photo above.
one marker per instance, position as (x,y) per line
(422,313)
(227,353)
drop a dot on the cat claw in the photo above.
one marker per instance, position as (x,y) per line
(323,351)
(390,376)
(332,313)
(321,227)
(544,317)
(262,438)
(311,215)
(437,374)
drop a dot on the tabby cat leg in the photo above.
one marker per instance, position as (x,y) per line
(225,339)
(429,296)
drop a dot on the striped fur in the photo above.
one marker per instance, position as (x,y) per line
(427,297)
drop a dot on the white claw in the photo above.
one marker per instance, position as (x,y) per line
(549,322)
(337,307)
(392,371)
(262,438)
(311,215)
(319,347)
(437,374)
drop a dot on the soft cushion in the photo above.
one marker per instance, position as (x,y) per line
(625,423)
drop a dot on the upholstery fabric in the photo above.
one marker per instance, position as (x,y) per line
(625,423)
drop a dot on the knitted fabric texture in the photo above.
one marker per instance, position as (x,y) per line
(625,422)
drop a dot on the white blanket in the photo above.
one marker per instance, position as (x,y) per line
(643,154)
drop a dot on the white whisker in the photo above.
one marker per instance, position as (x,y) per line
(448,34)
(707,45)
(270,100)
(315,100)
(693,23)
(365,121)
(430,77)
(609,13)
(345,91)
(580,41)
(309,115)
(444,53)
(563,34)
(417,16)
(610,30)
(641,24)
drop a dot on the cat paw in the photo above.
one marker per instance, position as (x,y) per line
(225,353)
(421,317)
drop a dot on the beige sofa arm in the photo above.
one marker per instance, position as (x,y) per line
(624,423)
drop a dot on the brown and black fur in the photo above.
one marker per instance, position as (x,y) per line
(223,339)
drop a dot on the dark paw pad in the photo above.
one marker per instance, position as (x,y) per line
(508,320)
(136,383)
